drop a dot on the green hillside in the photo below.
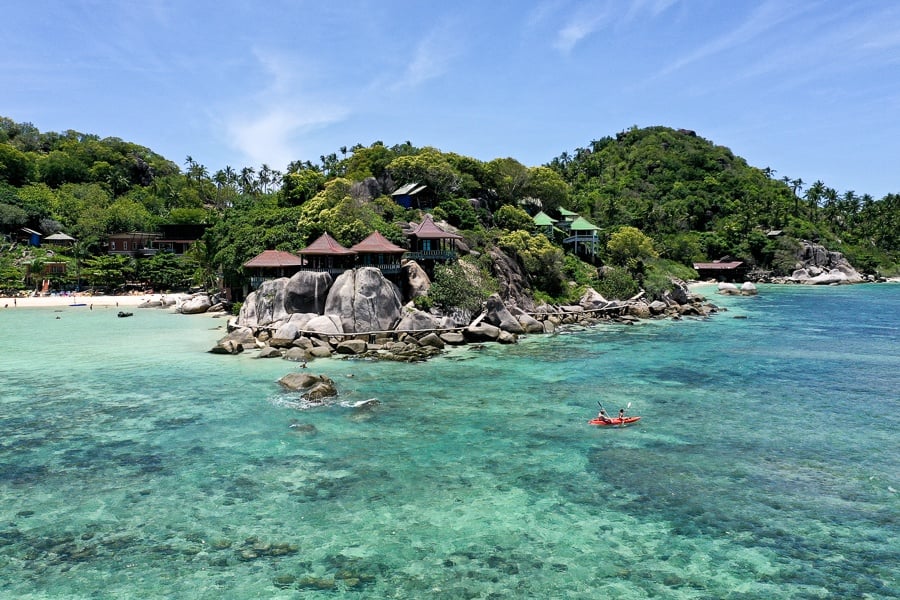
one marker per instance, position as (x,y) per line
(661,198)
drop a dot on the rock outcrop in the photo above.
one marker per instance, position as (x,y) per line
(312,387)
(364,300)
(511,277)
(413,319)
(195,304)
(498,315)
(816,265)
(306,292)
(415,280)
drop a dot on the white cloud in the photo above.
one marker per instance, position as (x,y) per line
(270,127)
(579,27)
(764,18)
(432,58)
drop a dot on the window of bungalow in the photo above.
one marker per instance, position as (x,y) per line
(426,245)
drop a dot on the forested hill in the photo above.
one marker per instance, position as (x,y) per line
(691,199)
(698,199)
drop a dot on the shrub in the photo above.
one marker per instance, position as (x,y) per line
(461,285)
(617,283)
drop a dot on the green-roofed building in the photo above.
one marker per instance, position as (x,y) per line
(544,224)
(584,236)
(566,217)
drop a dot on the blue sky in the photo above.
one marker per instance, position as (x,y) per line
(810,89)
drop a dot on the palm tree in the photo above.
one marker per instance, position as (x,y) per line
(814,195)
(248,181)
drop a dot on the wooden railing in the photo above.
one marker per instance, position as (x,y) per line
(431,255)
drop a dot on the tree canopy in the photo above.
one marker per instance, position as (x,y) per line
(658,195)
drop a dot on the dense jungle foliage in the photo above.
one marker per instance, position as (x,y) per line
(662,198)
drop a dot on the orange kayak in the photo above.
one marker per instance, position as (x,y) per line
(614,421)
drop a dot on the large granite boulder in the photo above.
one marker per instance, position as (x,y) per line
(498,315)
(513,283)
(592,299)
(364,300)
(313,387)
(413,319)
(481,332)
(306,292)
(265,305)
(748,288)
(325,325)
(728,289)
(832,277)
(351,347)
(285,335)
(433,340)
(237,340)
(528,323)
(415,280)
(817,265)
(680,292)
(195,304)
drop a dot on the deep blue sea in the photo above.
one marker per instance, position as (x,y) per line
(133,464)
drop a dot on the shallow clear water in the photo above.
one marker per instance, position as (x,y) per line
(135,465)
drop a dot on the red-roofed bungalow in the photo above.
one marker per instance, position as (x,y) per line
(377,251)
(325,254)
(271,264)
(430,242)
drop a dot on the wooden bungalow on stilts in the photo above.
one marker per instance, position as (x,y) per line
(272,264)
(583,232)
(429,244)
(377,251)
(326,255)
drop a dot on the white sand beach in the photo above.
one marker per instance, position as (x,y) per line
(98,301)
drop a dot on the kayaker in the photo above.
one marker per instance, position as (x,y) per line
(603,416)
(621,415)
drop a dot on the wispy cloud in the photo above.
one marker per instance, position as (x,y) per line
(653,7)
(578,28)
(586,22)
(763,19)
(432,57)
(269,129)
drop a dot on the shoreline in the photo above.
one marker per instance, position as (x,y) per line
(7,302)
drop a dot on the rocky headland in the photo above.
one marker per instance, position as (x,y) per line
(363,314)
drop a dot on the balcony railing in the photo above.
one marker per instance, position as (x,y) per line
(588,239)
(431,255)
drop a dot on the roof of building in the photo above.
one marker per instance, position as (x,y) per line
(377,243)
(274,258)
(59,237)
(566,213)
(718,266)
(582,224)
(326,245)
(427,230)
(31,231)
(542,219)
(410,189)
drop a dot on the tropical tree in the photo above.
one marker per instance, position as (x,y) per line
(629,244)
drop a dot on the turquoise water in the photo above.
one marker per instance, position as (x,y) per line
(135,465)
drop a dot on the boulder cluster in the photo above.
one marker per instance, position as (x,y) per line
(816,265)
(363,314)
